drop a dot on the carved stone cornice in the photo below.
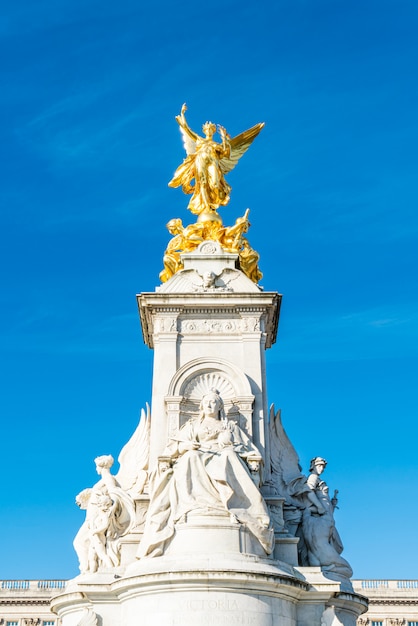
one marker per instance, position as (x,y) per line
(227,307)
(24,602)
(393,602)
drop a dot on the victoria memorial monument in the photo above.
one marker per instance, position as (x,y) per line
(209,519)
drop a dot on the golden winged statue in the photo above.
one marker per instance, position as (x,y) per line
(206,163)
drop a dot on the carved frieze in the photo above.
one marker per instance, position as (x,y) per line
(165,324)
(219,326)
(210,322)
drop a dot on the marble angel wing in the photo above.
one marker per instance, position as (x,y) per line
(134,457)
(286,472)
(240,145)
(89,618)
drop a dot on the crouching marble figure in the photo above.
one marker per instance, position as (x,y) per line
(204,472)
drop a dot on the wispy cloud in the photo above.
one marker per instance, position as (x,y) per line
(76,130)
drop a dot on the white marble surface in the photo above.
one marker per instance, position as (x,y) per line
(216,485)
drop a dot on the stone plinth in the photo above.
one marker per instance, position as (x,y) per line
(204,517)
(170,591)
(214,591)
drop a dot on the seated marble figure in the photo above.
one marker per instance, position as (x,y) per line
(204,472)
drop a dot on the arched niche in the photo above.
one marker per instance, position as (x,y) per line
(194,379)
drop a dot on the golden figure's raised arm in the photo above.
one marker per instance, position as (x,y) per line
(189,136)
(226,141)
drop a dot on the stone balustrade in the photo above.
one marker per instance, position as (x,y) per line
(368,585)
(32,586)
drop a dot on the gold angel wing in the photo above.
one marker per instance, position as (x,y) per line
(188,143)
(239,145)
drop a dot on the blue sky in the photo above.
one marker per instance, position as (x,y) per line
(88,142)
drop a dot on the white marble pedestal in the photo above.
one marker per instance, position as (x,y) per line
(171,591)
(213,572)
(211,575)
(212,591)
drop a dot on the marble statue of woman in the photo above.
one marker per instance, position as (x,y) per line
(309,511)
(323,543)
(204,472)
(110,514)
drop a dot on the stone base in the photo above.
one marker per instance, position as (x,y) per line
(214,573)
(213,535)
(286,549)
(219,590)
(328,600)
(168,591)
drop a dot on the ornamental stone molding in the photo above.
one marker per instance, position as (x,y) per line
(210,247)
(393,602)
(196,378)
(216,313)
(224,326)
